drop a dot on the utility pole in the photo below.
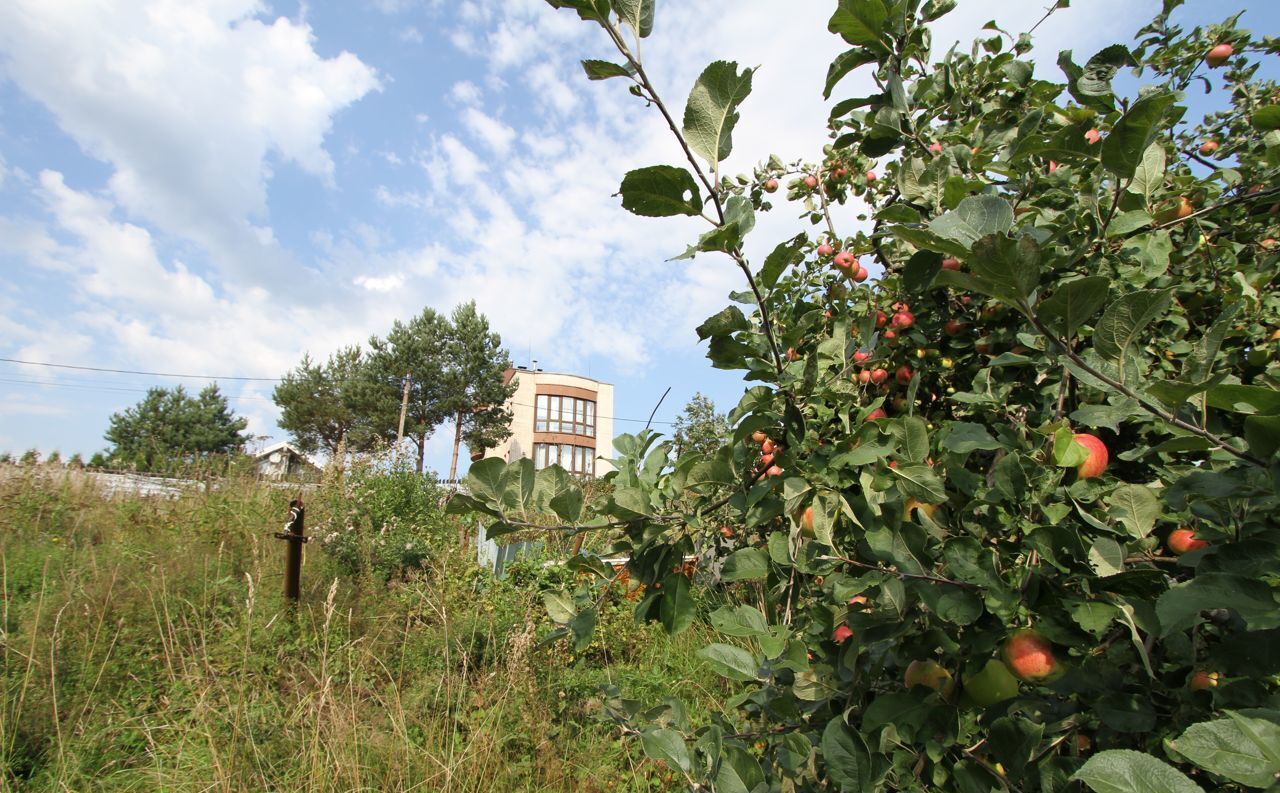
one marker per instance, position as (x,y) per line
(404,407)
(457,441)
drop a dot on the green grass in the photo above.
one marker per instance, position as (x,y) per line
(146,646)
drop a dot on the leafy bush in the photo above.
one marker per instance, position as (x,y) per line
(1008,513)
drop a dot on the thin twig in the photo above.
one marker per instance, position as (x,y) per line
(899,574)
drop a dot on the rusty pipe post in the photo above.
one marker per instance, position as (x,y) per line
(293,534)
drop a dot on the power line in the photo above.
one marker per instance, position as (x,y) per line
(132,371)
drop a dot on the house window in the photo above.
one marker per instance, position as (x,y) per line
(565,414)
(578,460)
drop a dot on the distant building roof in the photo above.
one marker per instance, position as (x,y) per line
(285,446)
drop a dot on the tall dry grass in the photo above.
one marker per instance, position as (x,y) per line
(146,646)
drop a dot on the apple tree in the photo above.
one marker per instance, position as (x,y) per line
(1006,514)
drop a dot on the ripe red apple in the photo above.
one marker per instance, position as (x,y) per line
(879,375)
(726,532)
(843,634)
(825,250)
(877,414)
(771,186)
(1218,55)
(860,274)
(881,319)
(759,436)
(844,259)
(951,263)
(1201,680)
(904,319)
(1029,656)
(768,446)
(773,471)
(1053,166)
(806,521)
(766,460)
(861,356)
(935,147)
(1208,147)
(860,601)
(839,173)
(903,375)
(1092,136)
(864,376)
(1268,244)
(1096,462)
(871,176)
(891,337)
(1182,540)
(792,355)
(953,327)
(811,182)
(929,674)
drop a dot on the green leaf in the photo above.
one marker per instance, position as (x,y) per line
(915,438)
(1096,79)
(1136,507)
(1180,606)
(603,70)
(517,486)
(1266,118)
(1010,267)
(920,482)
(660,191)
(1262,433)
(1122,150)
(1199,362)
(745,564)
(1245,399)
(847,758)
(1106,557)
(555,489)
(484,480)
(1074,303)
(667,746)
(1240,748)
(581,627)
(590,10)
(1127,771)
(963,437)
(844,63)
(975,218)
(936,8)
(1126,318)
(920,270)
(677,608)
(559,607)
(638,14)
(1094,616)
(727,321)
(728,661)
(861,23)
(744,621)
(1067,453)
(1148,177)
(783,254)
(712,109)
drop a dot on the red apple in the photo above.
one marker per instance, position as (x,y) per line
(771,186)
(861,356)
(1208,147)
(1053,166)
(1182,540)
(842,634)
(953,327)
(768,446)
(806,521)
(890,336)
(811,182)
(904,319)
(1201,680)
(864,377)
(951,263)
(825,250)
(935,147)
(759,436)
(844,259)
(871,176)
(1030,656)
(1218,55)
(1092,136)
(860,274)
(766,460)
(903,375)
(877,414)
(839,173)
(878,375)
(881,319)
(1096,462)
(773,471)
(792,355)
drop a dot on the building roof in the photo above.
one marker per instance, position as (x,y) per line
(285,446)
(513,371)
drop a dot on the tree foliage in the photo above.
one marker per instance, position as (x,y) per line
(475,392)
(1057,260)
(169,426)
(323,406)
(700,429)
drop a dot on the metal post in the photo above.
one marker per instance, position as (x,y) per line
(293,533)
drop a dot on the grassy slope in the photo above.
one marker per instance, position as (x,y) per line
(146,647)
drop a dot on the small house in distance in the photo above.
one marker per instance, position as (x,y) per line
(281,462)
(559,418)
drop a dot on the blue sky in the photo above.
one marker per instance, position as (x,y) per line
(218,186)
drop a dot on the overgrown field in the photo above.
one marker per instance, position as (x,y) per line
(146,646)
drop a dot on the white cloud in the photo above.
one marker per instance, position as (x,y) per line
(189,102)
(411,35)
(465,92)
(494,133)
